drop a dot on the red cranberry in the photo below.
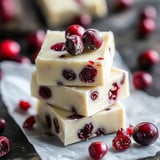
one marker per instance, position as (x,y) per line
(60,46)
(24,105)
(92,39)
(147,26)
(9,49)
(88,74)
(2,124)
(142,79)
(69,74)
(7,10)
(113,92)
(35,39)
(129,130)
(145,133)
(124,4)
(149,12)
(120,131)
(74,30)
(100,131)
(29,122)
(74,45)
(45,92)
(84,20)
(48,120)
(4,146)
(148,58)
(97,150)
(56,125)
(94,95)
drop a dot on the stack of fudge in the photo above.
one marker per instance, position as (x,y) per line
(78,96)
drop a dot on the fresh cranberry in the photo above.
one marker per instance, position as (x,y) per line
(129,130)
(86,132)
(48,120)
(142,80)
(100,131)
(74,45)
(146,26)
(120,131)
(124,4)
(4,146)
(88,74)
(69,74)
(149,12)
(94,95)
(145,133)
(74,30)
(7,10)
(2,124)
(60,46)
(113,92)
(97,150)
(36,38)
(45,92)
(92,39)
(29,122)
(121,142)
(56,125)
(84,20)
(148,58)
(24,105)
(9,49)
(75,116)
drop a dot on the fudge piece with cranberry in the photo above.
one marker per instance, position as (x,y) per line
(84,100)
(70,127)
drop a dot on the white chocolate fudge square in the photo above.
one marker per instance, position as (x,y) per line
(61,68)
(84,100)
(62,12)
(70,127)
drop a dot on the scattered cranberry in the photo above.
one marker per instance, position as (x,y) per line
(97,150)
(88,74)
(147,26)
(24,105)
(45,92)
(120,131)
(9,49)
(100,131)
(4,146)
(94,95)
(60,46)
(149,12)
(2,125)
(56,125)
(29,122)
(74,45)
(124,4)
(142,80)
(148,58)
(145,133)
(129,130)
(113,92)
(92,39)
(74,30)
(69,74)
(7,10)
(84,20)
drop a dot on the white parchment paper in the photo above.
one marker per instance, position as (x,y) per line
(15,85)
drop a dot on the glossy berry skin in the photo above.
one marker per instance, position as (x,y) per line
(145,133)
(142,80)
(124,4)
(97,150)
(148,58)
(74,30)
(9,49)
(2,125)
(29,122)
(24,105)
(4,146)
(92,39)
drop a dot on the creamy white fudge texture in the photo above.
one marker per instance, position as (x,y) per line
(84,100)
(54,67)
(70,127)
(60,12)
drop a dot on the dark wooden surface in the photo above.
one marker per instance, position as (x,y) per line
(128,43)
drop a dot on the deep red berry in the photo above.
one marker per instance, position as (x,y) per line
(2,124)
(145,133)
(88,74)
(129,130)
(4,146)
(24,105)
(9,49)
(97,150)
(124,4)
(121,142)
(113,92)
(149,12)
(74,45)
(148,58)
(60,46)
(29,122)
(120,131)
(142,80)
(45,92)
(147,26)
(92,39)
(69,74)
(94,95)
(74,30)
